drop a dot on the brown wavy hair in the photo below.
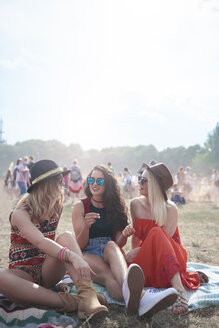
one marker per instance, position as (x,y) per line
(44,202)
(113,201)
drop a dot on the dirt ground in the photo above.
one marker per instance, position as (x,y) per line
(199,230)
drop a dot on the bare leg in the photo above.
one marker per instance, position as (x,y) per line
(177,284)
(67,239)
(114,257)
(104,276)
(118,266)
(18,287)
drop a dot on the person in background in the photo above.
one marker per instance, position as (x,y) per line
(195,184)
(66,183)
(204,192)
(100,222)
(76,181)
(30,163)
(23,179)
(38,261)
(156,245)
(187,189)
(9,181)
(176,195)
(15,175)
(111,168)
(127,183)
(180,178)
(120,180)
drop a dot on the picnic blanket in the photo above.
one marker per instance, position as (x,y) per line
(14,316)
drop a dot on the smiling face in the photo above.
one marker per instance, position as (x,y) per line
(143,184)
(96,188)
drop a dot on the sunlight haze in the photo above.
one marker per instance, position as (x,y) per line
(109,73)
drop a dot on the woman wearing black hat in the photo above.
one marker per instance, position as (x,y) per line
(156,244)
(37,260)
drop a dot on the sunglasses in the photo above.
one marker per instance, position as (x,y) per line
(99,181)
(143,181)
(60,179)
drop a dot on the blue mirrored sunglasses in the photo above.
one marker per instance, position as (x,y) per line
(99,181)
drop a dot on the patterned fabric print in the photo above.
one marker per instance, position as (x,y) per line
(169,267)
(34,271)
(23,254)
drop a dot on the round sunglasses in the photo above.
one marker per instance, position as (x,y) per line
(99,181)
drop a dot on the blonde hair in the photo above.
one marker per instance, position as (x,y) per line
(156,199)
(44,202)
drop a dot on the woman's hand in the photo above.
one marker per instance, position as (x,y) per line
(91,218)
(128,231)
(130,256)
(81,266)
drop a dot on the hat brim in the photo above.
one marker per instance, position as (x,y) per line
(46,178)
(158,180)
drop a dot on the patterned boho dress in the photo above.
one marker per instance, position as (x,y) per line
(25,256)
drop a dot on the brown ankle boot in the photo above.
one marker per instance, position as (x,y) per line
(70,302)
(102,299)
(89,305)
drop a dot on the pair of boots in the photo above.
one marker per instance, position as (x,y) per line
(87,302)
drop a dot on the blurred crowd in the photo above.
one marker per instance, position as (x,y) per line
(188,185)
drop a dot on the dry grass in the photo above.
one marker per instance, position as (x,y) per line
(199,229)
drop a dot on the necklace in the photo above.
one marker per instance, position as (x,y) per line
(97,201)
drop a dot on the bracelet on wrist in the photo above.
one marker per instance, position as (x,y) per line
(64,255)
(67,256)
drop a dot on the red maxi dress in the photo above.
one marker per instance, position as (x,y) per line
(161,256)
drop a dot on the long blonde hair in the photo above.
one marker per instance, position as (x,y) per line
(157,201)
(44,202)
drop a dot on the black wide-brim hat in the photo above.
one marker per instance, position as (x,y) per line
(43,170)
(162,175)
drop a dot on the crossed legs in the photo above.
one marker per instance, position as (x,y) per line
(18,286)
(110,271)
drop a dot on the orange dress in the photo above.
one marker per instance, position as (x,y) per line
(161,256)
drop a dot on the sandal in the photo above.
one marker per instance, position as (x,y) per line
(203,277)
(182,303)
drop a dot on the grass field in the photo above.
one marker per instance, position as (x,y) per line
(199,230)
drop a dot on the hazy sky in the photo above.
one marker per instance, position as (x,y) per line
(109,73)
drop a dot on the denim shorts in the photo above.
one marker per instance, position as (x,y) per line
(96,246)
